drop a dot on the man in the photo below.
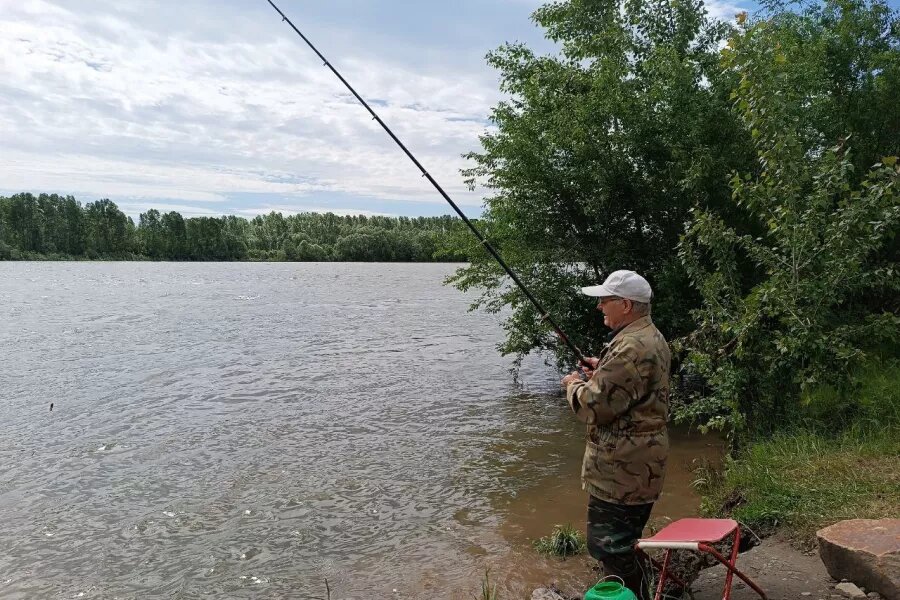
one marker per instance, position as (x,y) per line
(625,403)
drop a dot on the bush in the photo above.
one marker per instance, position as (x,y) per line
(7,252)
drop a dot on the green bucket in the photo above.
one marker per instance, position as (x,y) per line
(609,590)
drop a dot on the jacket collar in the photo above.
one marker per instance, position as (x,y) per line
(635,325)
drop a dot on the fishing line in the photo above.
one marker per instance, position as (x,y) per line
(545,316)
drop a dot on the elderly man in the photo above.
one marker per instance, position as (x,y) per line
(624,401)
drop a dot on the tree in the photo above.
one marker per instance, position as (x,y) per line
(597,157)
(74,237)
(206,239)
(26,223)
(803,297)
(235,230)
(174,232)
(363,245)
(150,233)
(268,232)
(108,229)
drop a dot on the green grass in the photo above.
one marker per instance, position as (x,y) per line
(871,403)
(488,592)
(841,461)
(564,541)
(805,481)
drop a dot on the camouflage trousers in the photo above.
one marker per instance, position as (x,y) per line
(612,531)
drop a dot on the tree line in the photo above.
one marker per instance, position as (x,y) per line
(54,226)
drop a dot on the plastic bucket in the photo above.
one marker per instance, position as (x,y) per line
(609,590)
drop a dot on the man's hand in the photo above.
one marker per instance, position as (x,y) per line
(592,362)
(573,376)
(584,373)
(588,366)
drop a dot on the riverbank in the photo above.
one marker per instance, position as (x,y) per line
(840,460)
(787,487)
(798,483)
(776,565)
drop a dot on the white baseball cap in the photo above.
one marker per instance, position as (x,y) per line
(624,284)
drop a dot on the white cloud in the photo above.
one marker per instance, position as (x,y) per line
(139,101)
(724,11)
(134,209)
(100,106)
(82,174)
(296,209)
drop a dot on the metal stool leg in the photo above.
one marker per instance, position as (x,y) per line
(732,569)
(658,565)
(663,573)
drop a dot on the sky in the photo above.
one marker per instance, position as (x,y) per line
(217,107)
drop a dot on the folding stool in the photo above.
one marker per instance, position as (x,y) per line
(697,535)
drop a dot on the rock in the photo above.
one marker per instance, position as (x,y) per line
(806,593)
(850,590)
(545,594)
(866,551)
(873,596)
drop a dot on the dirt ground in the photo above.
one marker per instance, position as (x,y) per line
(782,571)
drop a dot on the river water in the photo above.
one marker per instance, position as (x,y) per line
(249,430)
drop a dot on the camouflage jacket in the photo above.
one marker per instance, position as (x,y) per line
(625,405)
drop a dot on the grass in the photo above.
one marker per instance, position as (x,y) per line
(802,482)
(487,591)
(840,461)
(564,541)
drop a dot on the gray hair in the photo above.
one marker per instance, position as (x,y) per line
(640,308)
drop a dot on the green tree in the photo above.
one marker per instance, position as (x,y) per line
(310,252)
(363,245)
(206,239)
(109,231)
(26,222)
(268,232)
(174,232)
(837,65)
(800,300)
(597,158)
(236,231)
(150,233)
(73,240)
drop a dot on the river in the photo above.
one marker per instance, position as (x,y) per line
(249,430)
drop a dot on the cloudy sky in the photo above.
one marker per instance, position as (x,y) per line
(216,107)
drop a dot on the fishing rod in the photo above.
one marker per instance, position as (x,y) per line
(545,316)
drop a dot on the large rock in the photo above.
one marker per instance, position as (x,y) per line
(864,551)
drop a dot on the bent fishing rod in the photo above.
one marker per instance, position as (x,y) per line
(545,316)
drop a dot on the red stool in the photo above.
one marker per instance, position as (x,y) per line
(697,535)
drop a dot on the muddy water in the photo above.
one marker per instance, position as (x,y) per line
(557,499)
(249,430)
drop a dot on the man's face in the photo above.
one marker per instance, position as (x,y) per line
(615,311)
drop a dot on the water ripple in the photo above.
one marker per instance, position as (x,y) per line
(246,430)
